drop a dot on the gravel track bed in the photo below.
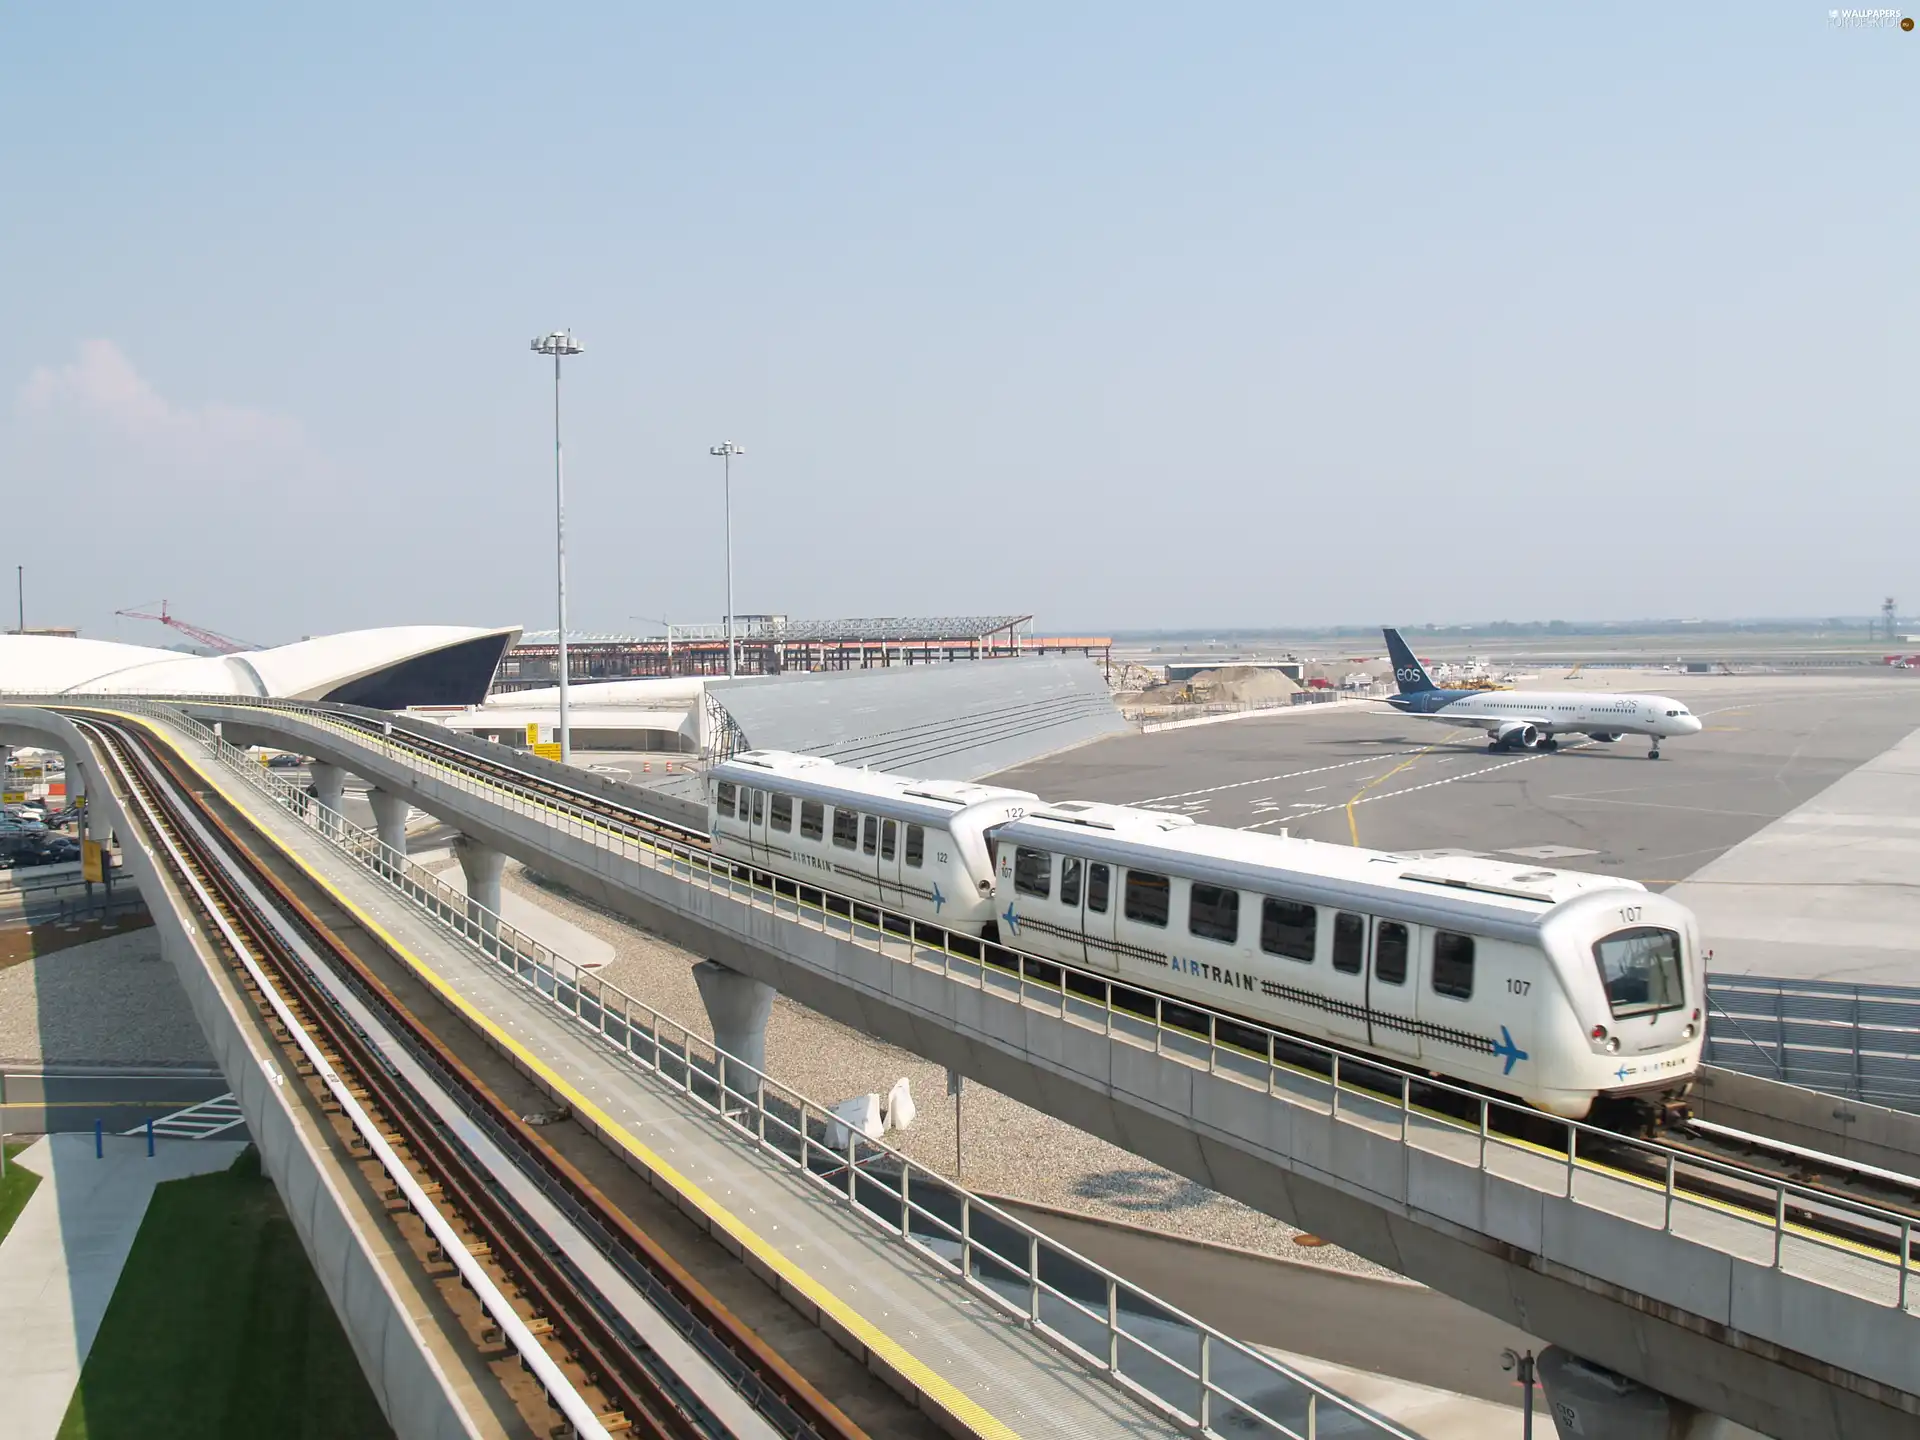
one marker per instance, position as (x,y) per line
(1007,1148)
(112,1001)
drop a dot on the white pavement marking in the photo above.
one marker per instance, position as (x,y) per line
(60,1262)
(1269,779)
(1662,805)
(1412,789)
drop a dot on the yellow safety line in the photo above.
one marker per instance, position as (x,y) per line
(1353,826)
(1591,1166)
(956,1402)
(938,1387)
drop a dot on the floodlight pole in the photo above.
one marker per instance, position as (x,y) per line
(726,450)
(557,344)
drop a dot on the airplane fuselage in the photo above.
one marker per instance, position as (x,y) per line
(1526,716)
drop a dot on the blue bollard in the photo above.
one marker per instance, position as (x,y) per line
(149,1137)
(99,1143)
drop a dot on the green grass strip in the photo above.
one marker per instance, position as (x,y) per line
(219,1328)
(14,1190)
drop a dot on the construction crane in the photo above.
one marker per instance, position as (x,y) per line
(213,639)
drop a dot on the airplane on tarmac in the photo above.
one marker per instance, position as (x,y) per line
(1524,719)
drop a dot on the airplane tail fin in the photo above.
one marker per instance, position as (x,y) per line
(1408,671)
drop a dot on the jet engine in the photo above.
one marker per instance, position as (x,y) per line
(1607,738)
(1517,735)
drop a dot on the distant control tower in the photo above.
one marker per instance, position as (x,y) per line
(1889,618)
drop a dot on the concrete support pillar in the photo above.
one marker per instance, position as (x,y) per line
(329,784)
(1585,1399)
(390,818)
(482,868)
(738,1007)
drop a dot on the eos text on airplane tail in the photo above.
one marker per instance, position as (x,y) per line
(1524,719)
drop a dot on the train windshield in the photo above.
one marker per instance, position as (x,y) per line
(1641,970)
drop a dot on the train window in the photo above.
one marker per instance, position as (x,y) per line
(1390,952)
(1147,898)
(1453,964)
(1097,881)
(888,833)
(869,835)
(1033,872)
(813,820)
(1213,913)
(1349,942)
(783,812)
(916,845)
(1641,970)
(724,797)
(846,827)
(1287,928)
(1070,881)
(759,806)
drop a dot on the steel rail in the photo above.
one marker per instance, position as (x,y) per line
(800,1409)
(196,881)
(1677,1168)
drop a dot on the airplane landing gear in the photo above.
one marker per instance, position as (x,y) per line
(1550,743)
(1654,753)
(1494,747)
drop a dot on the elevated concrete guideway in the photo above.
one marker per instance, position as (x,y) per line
(1771,1326)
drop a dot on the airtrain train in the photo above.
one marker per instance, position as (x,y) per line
(1579,994)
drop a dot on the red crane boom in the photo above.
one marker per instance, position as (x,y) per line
(222,644)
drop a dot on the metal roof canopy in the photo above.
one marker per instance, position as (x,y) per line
(877,628)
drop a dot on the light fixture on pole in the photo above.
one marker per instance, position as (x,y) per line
(726,450)
(558,344)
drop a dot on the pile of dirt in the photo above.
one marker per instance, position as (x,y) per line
(1229,685)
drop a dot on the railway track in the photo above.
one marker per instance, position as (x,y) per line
(398,1098)
(1876,1212)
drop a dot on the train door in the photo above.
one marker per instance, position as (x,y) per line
(1072,899)
(870,853)
(891,895)
(1340,973)
(753,817)
(1393,989)
(1098,900)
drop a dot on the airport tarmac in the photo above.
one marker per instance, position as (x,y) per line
(1367,775)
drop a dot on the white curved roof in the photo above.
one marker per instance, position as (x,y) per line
(307,670)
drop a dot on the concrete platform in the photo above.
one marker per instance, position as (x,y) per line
(62,1259)
(1771,744)
(558,934)
(1829,891)
(993,1372)
(1792,1336)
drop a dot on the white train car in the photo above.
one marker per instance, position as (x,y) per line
(1561,989)
(918,847)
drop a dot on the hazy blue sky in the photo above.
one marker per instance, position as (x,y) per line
(1123,315)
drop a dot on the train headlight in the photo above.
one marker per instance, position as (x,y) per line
(1687,1034)
(1613,1046)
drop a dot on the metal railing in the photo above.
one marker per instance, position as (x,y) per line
(1859,1041)
(1473,1129)
(1175,1363)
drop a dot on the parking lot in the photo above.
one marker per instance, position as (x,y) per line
(1367,775)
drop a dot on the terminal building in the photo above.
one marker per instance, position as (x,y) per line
(391,668)
(776,645)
